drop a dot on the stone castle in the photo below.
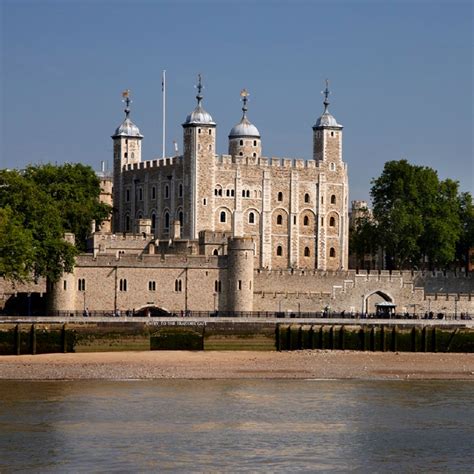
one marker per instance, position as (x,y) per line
(236,232)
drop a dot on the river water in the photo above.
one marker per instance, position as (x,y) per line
(236,425)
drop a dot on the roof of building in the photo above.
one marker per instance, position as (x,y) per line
(244,128)
(326,119)
(127,129)
(199,116)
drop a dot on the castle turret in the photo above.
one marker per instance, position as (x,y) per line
(327,135)
(199,165)
(244,138)
(127,150)
(63,292)
(333,190)
(241,251)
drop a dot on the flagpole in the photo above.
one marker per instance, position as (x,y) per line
(163,89)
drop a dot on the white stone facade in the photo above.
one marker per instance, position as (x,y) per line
(295,211)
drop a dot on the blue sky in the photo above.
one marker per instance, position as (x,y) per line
(401,76)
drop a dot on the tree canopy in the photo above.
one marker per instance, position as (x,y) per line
(419,221)
(37,207)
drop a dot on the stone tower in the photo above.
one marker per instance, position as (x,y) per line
(244,138)
(127,150)
(332,228)
(241,265)
(199,168)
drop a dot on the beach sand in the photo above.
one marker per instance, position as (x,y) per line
(238,365)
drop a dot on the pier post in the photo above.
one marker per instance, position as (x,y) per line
(342,342)
(382,339)
(33,339)
(433,340)
(64,339)
(424,339)
(394,338)
(372,339)
(17,340)
(362,338)
(413,339)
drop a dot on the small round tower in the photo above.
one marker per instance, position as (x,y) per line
(240,270)
(244,138)
(63,292)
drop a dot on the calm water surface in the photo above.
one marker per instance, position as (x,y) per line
(236,425)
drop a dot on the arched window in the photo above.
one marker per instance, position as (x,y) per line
(306,252)
(306,197)
(332,222)
(241,154)
(180,190)
(227,192)
(123,284)
(153,222)
(247,194)
(243,193)
(280,196)
(306,220)
(167,192)
(152,286)
(181,218)
(81,284)
(215,252)
(241,142)
(153,192)
(127,223)
(279,219)
(279,251)
(178,286)
(255,143)
(167,220)
(223,216)
(332,252)
(140,194)
(251,218)
(333,199)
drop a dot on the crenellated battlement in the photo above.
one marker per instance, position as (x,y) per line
(157,163)
(264,162)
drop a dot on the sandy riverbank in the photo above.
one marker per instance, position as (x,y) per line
(236,365)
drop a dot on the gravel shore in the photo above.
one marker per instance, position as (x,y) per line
(238,365)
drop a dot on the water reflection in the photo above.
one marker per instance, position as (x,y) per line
(235,425)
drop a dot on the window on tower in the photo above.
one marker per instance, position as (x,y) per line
(333,199)
(280,196)
(279,219)
(279,251)
(223,216)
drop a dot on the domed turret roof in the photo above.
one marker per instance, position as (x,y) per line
(244,128)
(127,129)
(326,119)
(199,116)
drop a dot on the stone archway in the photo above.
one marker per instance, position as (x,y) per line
(375,297)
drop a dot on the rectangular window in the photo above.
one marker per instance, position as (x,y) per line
(153,192)
(152,286)
(240,284)
(65,285)
(127,195)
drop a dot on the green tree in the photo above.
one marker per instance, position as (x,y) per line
(16,251)
(38,206)
(363,237)
(417,216)
(75,189)
(466,241)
